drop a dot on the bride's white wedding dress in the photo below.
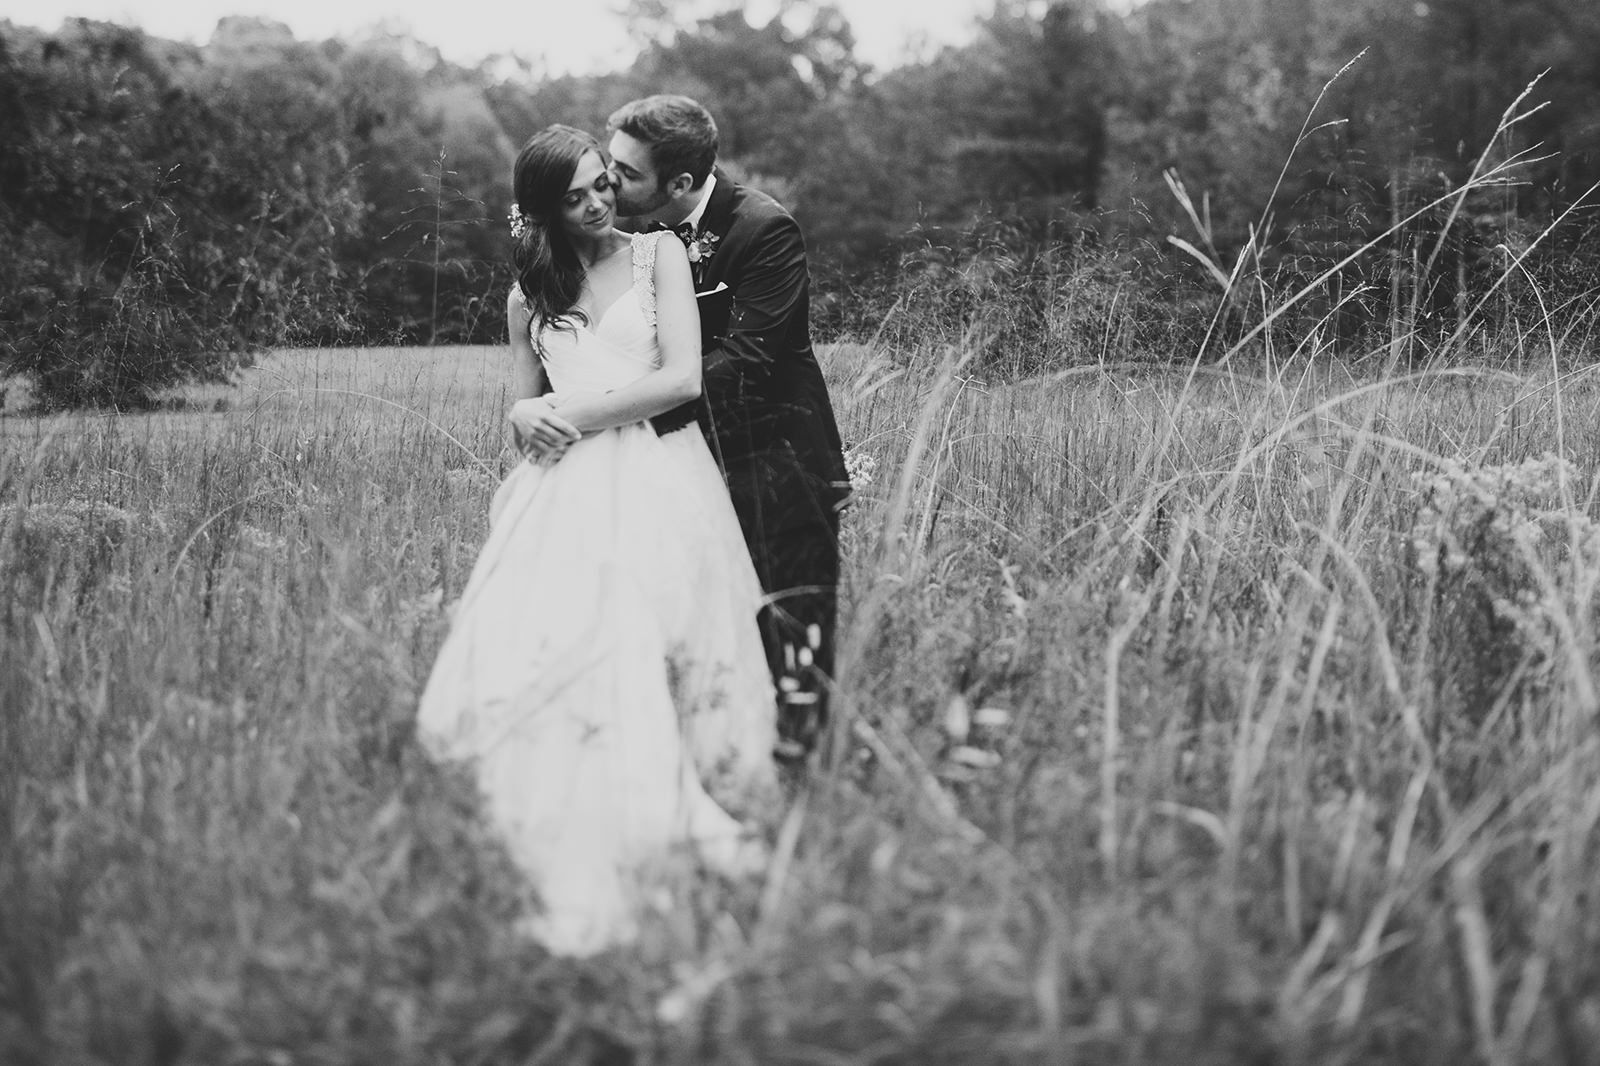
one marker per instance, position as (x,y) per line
(604,675)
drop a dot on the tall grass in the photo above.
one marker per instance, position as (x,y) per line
(1269,785)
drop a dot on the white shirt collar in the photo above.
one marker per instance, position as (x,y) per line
(705,198)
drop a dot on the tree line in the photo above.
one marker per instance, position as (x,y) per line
(168,208)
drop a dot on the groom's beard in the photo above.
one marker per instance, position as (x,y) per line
(628,207)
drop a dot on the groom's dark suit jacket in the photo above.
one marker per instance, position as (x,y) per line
(765,410)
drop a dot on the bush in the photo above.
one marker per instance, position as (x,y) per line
(158,229)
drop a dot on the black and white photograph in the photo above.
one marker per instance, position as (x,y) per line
(800,533)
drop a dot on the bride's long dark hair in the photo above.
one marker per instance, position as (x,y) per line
(549,272)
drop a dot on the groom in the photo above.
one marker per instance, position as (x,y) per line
(765,410)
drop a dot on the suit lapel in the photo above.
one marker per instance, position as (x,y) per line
(717,218)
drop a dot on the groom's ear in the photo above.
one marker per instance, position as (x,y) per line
(680,185)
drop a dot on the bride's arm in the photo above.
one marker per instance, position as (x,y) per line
(677,380)
(527,372)
(536,430)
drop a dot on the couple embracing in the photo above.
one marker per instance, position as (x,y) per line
(650,622)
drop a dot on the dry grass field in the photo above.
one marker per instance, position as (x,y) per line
(1233,717)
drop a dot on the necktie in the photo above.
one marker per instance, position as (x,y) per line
(685,232)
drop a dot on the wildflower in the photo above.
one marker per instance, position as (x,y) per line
(417,610)
(1492,531)
(991,718)
(261,541)
(469,478)
(976,758)
(72,524)
(860,467)
(957,719)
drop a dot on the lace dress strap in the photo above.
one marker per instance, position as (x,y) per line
(644,271)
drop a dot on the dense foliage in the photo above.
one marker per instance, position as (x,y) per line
(165,203)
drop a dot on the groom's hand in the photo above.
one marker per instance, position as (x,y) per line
(538,432)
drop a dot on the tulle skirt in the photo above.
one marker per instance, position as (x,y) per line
(605,679)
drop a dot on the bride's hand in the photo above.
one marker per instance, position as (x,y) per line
(538,432)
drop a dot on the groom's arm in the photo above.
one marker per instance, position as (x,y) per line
(770,283)
(769,299)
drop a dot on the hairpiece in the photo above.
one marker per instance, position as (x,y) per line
(519,221)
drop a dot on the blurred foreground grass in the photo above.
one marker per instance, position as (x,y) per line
(1245,720)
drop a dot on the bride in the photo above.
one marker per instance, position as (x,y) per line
(604,675)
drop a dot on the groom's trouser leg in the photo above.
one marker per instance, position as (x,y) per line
(791,526)
(798,625)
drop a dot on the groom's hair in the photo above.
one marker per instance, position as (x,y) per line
(681,134)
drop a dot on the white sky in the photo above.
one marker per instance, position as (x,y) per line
(561,36)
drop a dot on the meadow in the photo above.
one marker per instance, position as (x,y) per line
(1218,714)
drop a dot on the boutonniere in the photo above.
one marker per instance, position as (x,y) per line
(702,247)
